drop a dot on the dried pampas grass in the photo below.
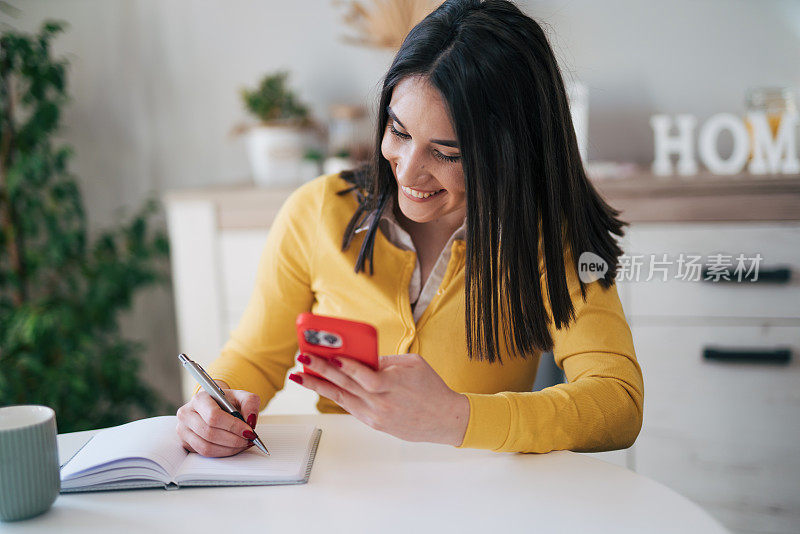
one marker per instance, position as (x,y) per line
(384,23)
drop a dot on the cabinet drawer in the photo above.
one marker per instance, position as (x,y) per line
(724,434)
(753,495)
(777,244)
(724,401)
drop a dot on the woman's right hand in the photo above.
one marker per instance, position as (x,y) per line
(207,429)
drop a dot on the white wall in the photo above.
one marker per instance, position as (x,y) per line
(154,86)
(641,57)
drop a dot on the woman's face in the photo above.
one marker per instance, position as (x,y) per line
(420,144)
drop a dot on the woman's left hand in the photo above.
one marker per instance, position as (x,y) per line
(405,398)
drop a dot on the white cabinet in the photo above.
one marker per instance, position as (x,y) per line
(723,432)
(217,236)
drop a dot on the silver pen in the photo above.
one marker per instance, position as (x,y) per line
(211,387)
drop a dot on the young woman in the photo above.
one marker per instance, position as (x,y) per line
(471,218)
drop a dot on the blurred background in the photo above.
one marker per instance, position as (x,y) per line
(158,108)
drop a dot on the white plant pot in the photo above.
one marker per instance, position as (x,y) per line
(334,164)
(276,155)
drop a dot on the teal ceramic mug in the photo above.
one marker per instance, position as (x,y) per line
(29,471)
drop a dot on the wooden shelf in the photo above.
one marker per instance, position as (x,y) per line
(704,197)
(239,206)
(641,198)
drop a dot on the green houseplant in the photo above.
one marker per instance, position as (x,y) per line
(60,291)
(272,101)
(282,143)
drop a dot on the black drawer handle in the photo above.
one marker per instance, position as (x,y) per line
(773,356)
(777,275)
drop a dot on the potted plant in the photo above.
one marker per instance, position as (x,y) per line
(278,144)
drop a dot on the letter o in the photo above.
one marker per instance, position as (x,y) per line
(708,144)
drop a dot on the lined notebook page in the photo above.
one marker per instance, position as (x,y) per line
(289,447)
(154,438)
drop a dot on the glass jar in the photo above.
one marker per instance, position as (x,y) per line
(349,132)
(773,102)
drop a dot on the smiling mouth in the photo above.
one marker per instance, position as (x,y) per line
(420,194)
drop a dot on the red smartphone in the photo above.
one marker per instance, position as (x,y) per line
(334,337)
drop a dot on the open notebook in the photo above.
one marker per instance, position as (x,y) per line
(148,454)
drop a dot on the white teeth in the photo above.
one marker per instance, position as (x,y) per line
(417,194)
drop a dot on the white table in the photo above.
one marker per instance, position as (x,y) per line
(367,481)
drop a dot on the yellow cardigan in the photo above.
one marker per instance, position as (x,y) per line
(303,268)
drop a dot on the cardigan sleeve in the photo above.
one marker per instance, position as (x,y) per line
(261,349)
(599,408)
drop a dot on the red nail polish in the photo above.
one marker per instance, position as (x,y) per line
(336,362)
(305,360)
(249,434)
(251,420)
(296,378)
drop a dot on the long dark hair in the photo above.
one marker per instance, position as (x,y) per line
(524,177)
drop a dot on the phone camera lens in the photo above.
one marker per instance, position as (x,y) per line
(311,337)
